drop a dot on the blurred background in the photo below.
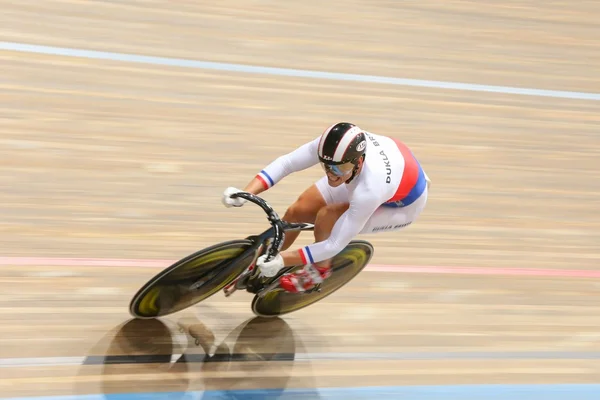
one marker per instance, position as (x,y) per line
(121,123)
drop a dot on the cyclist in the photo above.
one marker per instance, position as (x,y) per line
(372,184)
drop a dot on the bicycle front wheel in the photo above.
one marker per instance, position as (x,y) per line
(193,279)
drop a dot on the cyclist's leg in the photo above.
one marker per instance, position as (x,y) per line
(388,219)
(336,202)
(384,219)
(326,219)
(304,209)
(308,204)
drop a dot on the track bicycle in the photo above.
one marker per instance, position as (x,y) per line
(230,266)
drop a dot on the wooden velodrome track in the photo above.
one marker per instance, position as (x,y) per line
(126,160)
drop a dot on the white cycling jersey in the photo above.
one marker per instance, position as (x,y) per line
(391,178)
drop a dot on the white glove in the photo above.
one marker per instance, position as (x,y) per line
(228,201)
(270,268)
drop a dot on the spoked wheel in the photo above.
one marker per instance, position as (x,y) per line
(345,266)
(193,279)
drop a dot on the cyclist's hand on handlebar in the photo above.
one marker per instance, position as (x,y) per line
(270,268)
(228,201)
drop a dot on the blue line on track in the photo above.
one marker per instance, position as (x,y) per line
(296,73)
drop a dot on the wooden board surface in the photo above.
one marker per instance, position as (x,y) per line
(113,159)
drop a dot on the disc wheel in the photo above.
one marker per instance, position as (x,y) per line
(345,266)
(192,279)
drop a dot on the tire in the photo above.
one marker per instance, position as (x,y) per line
(192,279)
(345,266)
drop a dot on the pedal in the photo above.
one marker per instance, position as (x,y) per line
(240,282)
(229,289)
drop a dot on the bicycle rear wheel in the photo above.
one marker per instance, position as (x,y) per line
(345,266)
(192,279)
